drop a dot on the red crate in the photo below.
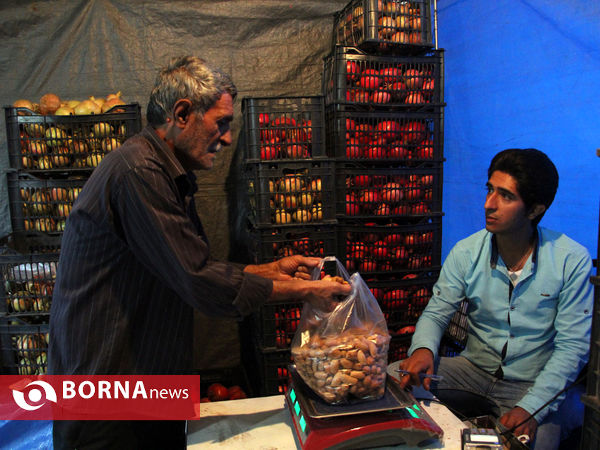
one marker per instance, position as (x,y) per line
(384,25)
(283,128)
(401,138)
(50,145)
(353,77)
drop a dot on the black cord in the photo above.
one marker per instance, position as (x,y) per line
(576,382)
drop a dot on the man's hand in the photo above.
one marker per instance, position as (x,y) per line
(323,295)
(517,415)
(421,361)
(287,268)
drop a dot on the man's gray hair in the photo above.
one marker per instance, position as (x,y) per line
(187,77)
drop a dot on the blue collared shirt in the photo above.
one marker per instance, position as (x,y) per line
(544,321)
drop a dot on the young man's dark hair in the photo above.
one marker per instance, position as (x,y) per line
(535,173)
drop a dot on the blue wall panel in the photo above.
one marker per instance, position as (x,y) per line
(521,74)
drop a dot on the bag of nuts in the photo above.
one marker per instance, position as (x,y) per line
(342,355)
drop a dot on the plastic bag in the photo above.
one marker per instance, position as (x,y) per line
(343,354)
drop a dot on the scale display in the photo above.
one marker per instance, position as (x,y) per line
(395,419)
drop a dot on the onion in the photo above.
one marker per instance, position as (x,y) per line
(64,111)
(87,107)
(49,103)
(114,101)
(23,103)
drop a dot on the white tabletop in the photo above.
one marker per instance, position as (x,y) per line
(265,423)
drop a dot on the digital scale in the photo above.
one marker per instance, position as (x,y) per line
(394,419)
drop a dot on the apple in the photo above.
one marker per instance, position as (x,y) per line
(381,97)
(401,254)
(383,209)
(361,181)
(296,151)
(282,217)
(354,149)
(389,130)
(357,250)
(352,71)
(377,293)
(409,329)
(380,250)
(263,120)
(352,208)
(306,199)
(368,197)
(402,21)
(286,201)
(291,183)
(392,192)
(390,75)
(387,26)
(413,132)
(414,98)
(361,96)
(413,79)
(367,265)
(393,240)
(369,79)
(400,37)
(425,150)
(412,191)
(375,151)
(415,23)
(37,147)
(217,392)
(420,208)
(301,215)
(414,38)
(398,152)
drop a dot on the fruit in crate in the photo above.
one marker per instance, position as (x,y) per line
(217,392)
(52,104)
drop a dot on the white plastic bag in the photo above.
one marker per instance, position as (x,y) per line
(342,354)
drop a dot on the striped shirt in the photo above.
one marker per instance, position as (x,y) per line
(134,263)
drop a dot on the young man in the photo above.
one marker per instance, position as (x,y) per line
(135,260)
(529,308)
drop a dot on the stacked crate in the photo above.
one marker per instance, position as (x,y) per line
(50,159)
(290,185)
(383,88)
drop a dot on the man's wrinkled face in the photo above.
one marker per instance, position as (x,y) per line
(204,135)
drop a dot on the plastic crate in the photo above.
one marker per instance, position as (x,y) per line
(384,25)
(590,432)
(283,128)
(269,244)
(291,193)
(391,250)
(274,370)
(409,139)
(51,145)
(399,346)
(593,374)
(40,205)
(353,77)
(23,349)
(402,301)
(275,324)
(27,285)
(376,193)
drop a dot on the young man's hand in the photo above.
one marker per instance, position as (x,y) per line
(517,415)
(421,361)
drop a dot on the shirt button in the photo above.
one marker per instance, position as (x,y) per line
(512,335)
(512,308)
